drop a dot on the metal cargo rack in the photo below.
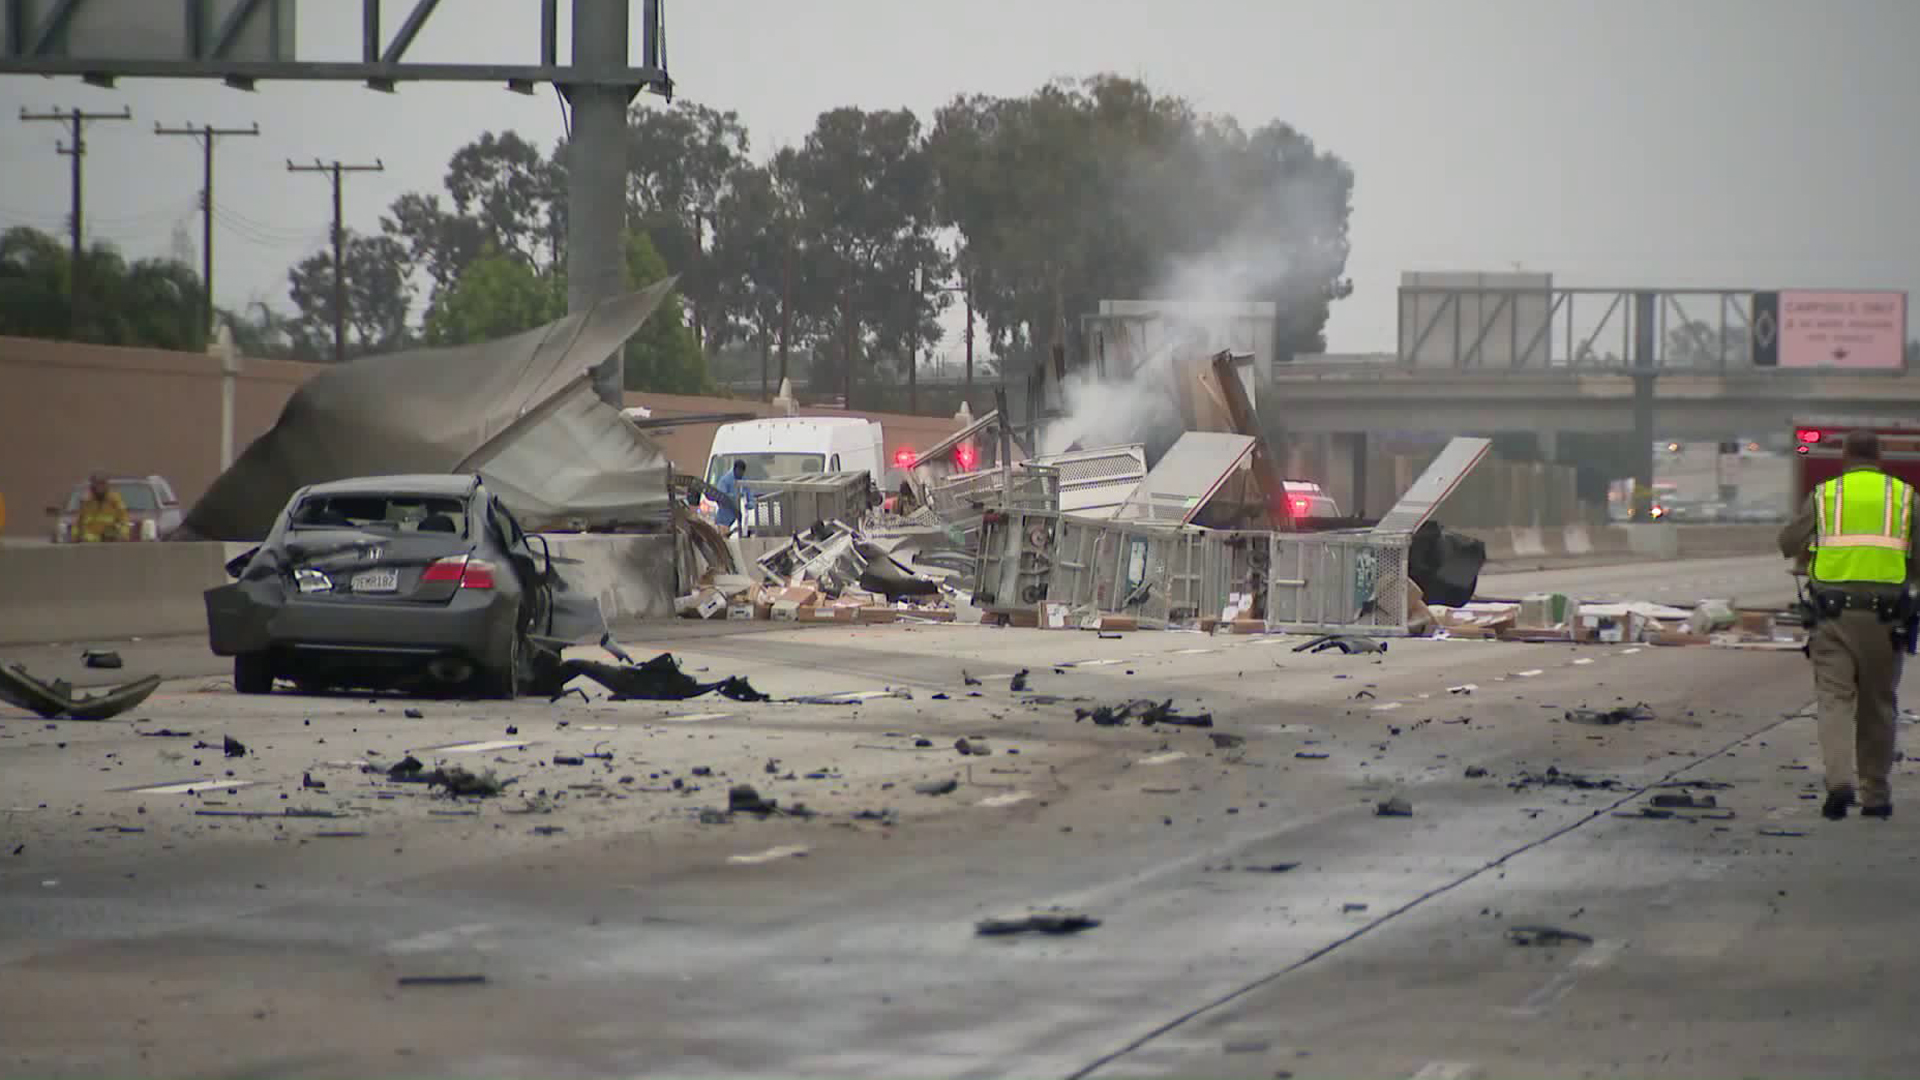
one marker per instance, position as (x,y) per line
(959,501)
(1339,582)
(1309,583)
(792,504)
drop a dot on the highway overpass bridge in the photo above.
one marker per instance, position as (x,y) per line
(1326,399)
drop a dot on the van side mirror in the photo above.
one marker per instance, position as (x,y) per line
(238,565)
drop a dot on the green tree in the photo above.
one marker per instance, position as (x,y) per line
(154,303)
(1103,189)
(864,188)
(681,160)
(503,196)
(663,356)
(378,295)
(497,296)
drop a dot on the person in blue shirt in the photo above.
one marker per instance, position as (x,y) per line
(733,485)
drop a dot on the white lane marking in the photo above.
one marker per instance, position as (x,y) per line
(861,695)
(598,727)
(1594,957)
(693,718)
(1387,707)
(1275,639)
(1527,674)
(1005,798)
(191,786)
(1162,759)
(1630,652)
(785,851)
(1094,663)
(479,747)
(435,940)
(1584,660)
(1445,1070)
(1192,652)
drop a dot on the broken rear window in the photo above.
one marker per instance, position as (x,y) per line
(390,513)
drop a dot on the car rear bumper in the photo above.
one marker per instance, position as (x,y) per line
(258,616)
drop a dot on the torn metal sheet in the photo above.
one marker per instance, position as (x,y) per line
(1455,463)
(1189,475)
(573,461)
(430,410)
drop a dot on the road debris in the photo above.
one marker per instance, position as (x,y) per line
(1349,644)
(1224,741)
(105,659)
(1609,717)
(442,980)
(1018,683)
(57,700)
(1049,921)
(1147,712)
(1394,807)
(233,747)
(1475,772)
(1553,777)
(1685,802)
(744,799)
(937,787)
(659,679)
(1546,936)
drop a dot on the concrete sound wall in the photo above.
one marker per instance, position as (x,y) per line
(73,592)
(99,592)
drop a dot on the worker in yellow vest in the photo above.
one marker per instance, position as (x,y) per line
(103,514)
(1858,531)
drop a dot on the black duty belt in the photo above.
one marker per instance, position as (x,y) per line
(1833,602)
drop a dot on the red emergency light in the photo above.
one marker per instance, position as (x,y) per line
(1299,504)
(905,457)
(966,457)
(1808,435)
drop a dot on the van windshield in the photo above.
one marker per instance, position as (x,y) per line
(766,466)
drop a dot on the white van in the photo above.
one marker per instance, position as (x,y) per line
(797,445)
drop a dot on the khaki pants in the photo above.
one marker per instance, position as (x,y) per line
(1856,673)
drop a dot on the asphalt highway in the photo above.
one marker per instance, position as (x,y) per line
(162,915)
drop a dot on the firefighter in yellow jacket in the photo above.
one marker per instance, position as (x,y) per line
(1858,531)
(103,514)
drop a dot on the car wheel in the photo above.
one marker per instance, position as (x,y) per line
(253,673)
(504,681)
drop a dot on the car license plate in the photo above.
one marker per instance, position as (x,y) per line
(376,581)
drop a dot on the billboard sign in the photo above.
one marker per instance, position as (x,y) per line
(1856,331)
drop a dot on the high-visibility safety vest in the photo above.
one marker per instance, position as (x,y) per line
(1865,529)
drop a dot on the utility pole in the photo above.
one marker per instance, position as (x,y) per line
(334,171)
(786,305)
(76,148)
(208,135)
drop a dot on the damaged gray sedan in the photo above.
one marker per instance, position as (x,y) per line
(393,582)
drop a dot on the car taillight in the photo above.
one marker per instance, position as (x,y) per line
(966,457)
(905,457)
(1808,435)
(1299,505)
(463,570)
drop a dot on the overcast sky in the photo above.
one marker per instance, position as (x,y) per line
(1737,143)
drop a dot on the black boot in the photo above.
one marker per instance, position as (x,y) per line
(1885,811)
(1838,801)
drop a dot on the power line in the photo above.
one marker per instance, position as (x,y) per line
(334,171)
(208,135)
(76,148)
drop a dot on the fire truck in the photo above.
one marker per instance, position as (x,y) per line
(1817,442)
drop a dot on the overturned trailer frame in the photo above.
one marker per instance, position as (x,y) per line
(1171,573)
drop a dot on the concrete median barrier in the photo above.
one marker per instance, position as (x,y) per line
(633,576)
(69,592)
